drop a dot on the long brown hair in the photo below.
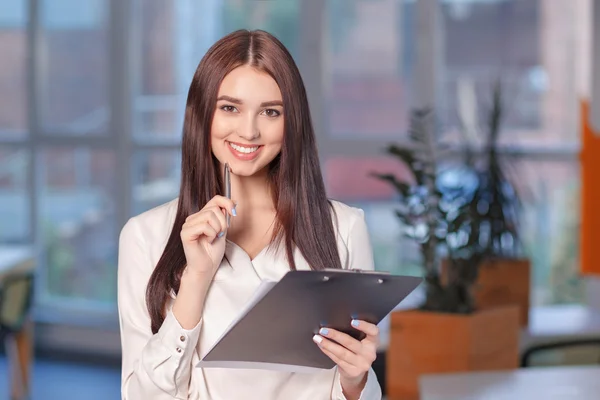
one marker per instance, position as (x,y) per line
(304,214)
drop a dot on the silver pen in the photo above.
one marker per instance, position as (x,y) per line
(227,182)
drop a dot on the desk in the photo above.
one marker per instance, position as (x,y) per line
(564,383)
(15,259)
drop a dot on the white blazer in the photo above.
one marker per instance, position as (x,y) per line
(161,366)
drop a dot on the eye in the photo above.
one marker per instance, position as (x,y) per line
(270,112)
(228,108)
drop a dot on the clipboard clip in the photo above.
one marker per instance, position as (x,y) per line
(355,271)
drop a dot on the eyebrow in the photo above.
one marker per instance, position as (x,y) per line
(238,101)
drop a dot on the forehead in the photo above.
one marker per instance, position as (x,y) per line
(249,84)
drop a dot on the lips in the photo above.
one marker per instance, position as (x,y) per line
(243,151)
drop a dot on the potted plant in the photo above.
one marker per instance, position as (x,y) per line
(504,276)
(448,332)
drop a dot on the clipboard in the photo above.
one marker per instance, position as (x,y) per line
(275,329)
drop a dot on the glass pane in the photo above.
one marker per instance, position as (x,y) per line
(540,52)
(14,199)
(281,18)
(551,193)
(13,73)
(360,185)
(370,51)
(173,38)
(392,252)
(550,230)
(74,79)
(78,223)
(156,178)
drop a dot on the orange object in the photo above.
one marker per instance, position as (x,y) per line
(423,342)
(590,195)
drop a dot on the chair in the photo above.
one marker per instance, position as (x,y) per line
(567,352)
(16,295)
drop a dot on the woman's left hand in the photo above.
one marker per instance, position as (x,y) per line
(353,358)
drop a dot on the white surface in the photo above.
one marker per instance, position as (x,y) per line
(11,256)
(564,383)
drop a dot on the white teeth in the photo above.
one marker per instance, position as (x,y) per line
(246,150)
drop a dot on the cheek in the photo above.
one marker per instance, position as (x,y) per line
(219,128)
(272,133)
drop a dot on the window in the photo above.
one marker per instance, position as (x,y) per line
(73,93)
(93,137)
(14,199)
(369,53)
(536,48)
(77,200)
(13,72)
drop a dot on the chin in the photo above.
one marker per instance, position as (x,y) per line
(246,169)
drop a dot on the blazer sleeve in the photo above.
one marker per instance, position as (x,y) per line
(155,366)
(360,256)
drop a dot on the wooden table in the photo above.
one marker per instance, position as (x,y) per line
(564,383)
(16,259)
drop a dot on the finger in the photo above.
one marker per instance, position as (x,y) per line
(224,203)
(339,362)
(213,221)
(212,215)
(220,218)
(371,330)
(339,351)
(192,233)
(342,338)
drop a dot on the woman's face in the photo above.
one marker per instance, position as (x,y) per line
(247,127)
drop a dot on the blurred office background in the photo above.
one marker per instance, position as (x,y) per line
(92,94)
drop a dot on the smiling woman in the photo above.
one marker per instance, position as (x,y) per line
(249,122)
(185,267)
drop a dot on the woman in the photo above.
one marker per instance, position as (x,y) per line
(179,291)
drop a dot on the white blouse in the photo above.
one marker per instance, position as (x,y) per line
(162,366)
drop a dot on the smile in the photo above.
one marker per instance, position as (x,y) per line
(243,149)
(244,152)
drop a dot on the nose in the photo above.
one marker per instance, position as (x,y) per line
(249,129)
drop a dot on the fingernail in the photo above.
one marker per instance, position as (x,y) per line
(355,322)
(233,212)
(221,234)
(317,339)
(324,331)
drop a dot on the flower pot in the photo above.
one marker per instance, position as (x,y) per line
(424,342)
(501,282)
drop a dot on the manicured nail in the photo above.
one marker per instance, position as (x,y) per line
(233,212)
(221,234)
(355,322)
(324,331)
(317,339)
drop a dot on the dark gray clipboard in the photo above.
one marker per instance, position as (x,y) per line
(278,330)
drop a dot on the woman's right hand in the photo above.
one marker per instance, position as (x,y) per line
(203,236)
